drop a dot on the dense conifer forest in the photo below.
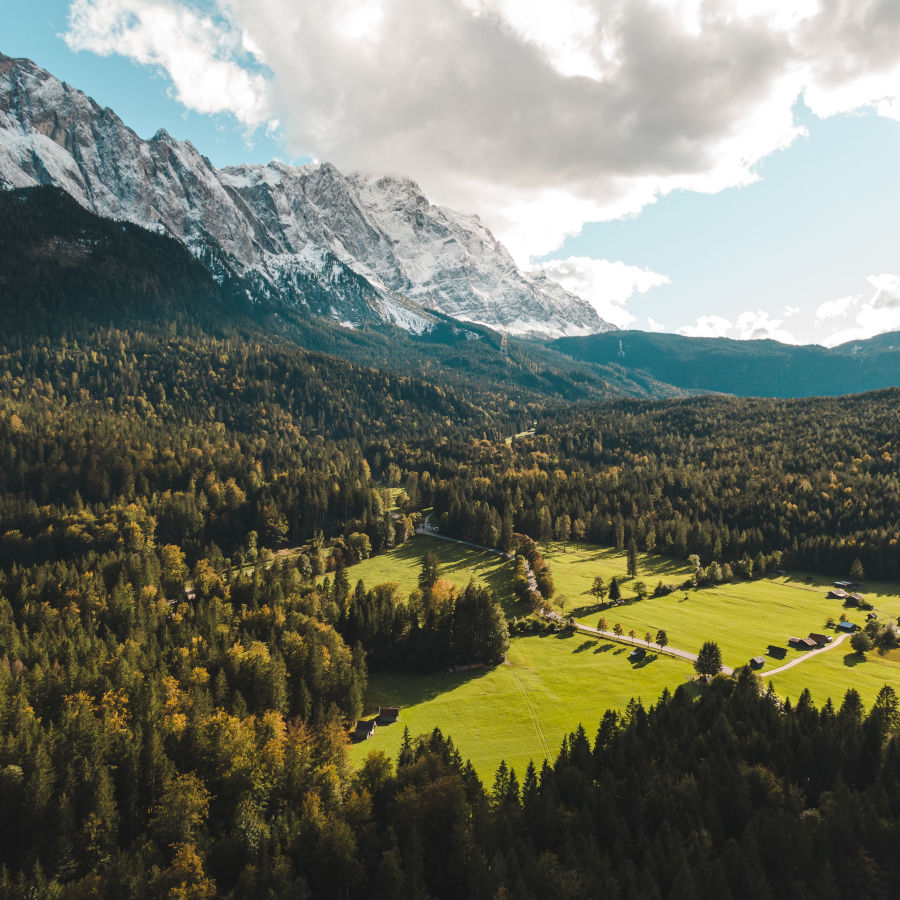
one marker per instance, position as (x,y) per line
(175,695)
(757,484)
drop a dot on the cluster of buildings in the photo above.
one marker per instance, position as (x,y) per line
(365,728)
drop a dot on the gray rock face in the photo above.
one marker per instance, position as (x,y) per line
(356,248)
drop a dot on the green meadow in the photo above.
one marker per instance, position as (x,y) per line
(831,674)
(549,684)
(457,563)
(521,710)
(743,617)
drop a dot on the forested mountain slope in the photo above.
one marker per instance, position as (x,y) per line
(745,368)
(66,271)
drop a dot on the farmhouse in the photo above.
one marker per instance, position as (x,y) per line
(757,662)
(847,627)
(820,639)
(837,594)
(802,643)
(872,615)
(855,599)
(846,585)
(364,730)
(387,715)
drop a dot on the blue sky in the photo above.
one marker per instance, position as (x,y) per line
(759,202)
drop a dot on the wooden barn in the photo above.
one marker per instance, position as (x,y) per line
(387,715)
(364,730)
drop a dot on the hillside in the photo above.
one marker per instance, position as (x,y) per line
(357,249)
(745,368)
(66,271)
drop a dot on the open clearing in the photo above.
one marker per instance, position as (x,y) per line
(743,617)
(456,563)
(521,710)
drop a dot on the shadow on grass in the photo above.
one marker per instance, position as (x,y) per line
(411,688)
(854,659)
(604,648)
(620,651)
(649,658)
(585,646)
(460,563)
(587,610)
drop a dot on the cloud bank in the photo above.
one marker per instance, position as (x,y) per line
(864,316)
(606,285)
(538,115)
(751,325)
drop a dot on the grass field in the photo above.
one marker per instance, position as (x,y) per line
(742,617)
(456,563)
(831,674)
(520,710)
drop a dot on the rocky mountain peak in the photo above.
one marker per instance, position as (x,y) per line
(351,246)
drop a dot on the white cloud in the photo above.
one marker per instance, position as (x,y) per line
(606,285)
(875,315)
(708,326)
(653,325)
(754,325)
(750,325)
(206,58)
(538,115)
(834,309)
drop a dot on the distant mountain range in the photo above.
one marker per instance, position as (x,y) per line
(359,267)
(745,368)
(346,246)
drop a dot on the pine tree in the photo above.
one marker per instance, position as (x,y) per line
(632,565)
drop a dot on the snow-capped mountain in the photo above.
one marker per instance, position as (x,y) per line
(356,248)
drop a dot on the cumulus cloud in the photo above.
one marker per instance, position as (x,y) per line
(865,316)
(538,115)
(834,309)
(708,326)
(206,57)
(750,325)
(606,285)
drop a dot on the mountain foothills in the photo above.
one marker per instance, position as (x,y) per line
(746,368)
(351,247)
(194,452)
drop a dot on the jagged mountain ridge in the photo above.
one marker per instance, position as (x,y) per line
(355,248)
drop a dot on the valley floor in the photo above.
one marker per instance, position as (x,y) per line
(520,711)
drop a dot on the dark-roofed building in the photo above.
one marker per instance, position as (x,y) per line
(847,627)
(820,639)
(777,652)
(802,643)
(757,662)
(364,730)
(388,714)
(872,615)
(855,599)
